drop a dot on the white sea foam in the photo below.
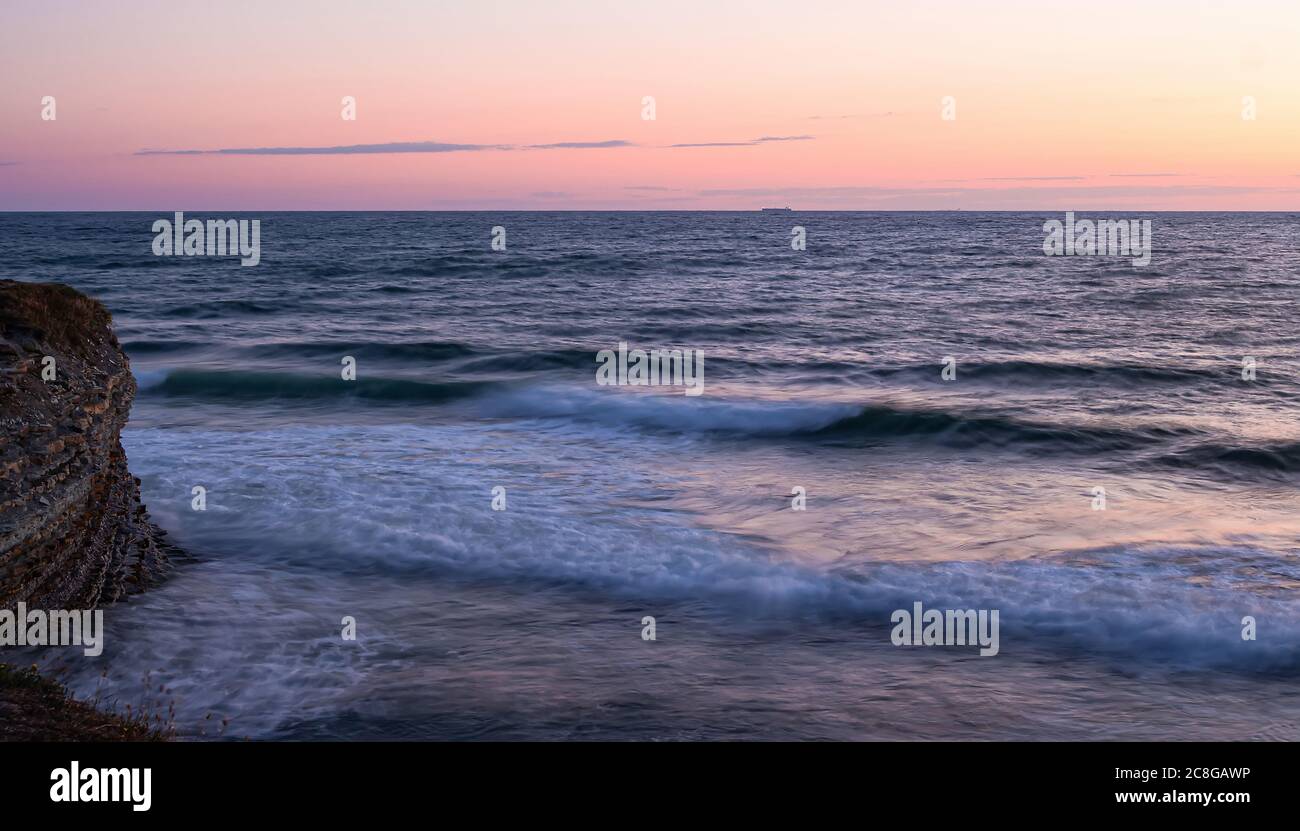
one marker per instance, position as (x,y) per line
(666,412)
(407,500)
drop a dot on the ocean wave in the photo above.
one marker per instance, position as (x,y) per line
(840,423)
(261,386)
(1277,458)
(832,423)
(970,429)
(413,351)
(468,359)
(1177,604)
(853,425)
(675,413)
(1026,371)
(535,361)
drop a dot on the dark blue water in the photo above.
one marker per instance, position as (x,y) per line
(476,370)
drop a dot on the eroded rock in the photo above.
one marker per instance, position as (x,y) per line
(73,532)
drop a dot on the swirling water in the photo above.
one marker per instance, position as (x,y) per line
(476,369)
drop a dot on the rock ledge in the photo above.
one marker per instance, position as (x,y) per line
(73,533)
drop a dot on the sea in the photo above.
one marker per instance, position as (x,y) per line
(474,539)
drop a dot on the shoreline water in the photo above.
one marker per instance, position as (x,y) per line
(476,371)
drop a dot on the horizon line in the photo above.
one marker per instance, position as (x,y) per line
(1128,209)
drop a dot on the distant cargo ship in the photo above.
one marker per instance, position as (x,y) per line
(777,210)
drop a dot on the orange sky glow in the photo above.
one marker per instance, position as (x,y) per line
(816,105)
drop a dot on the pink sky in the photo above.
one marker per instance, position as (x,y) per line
(1083,106)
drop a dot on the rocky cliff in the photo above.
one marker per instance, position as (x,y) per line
(73,533)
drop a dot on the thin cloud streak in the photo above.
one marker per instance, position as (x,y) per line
(384,148)
(337,150)
(444,147)
(749,143)
(581,145)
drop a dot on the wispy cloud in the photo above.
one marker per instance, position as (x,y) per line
(1144,175)
(749,143)
(8,164)
(1032,178)
(551,194)
(581,145)
(445,147)
(386,147)
(336,150)
(657,188)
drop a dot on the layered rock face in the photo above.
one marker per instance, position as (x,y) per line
(73,533)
